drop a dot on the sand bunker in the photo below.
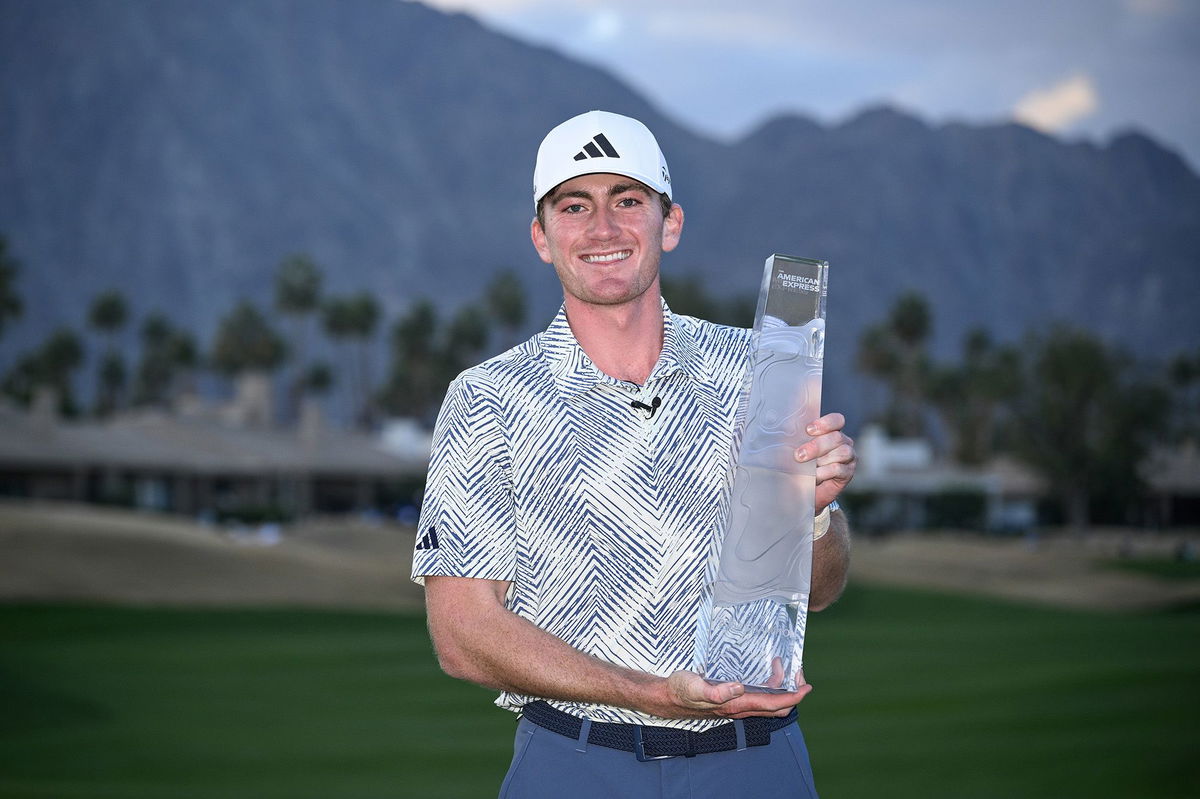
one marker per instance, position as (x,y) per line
(55,552)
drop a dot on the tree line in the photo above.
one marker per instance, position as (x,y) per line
(1082,413)
(426,351)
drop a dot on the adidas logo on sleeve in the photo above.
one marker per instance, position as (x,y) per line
(429,540)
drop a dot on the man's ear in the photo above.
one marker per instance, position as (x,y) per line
(672,228)
(538,234)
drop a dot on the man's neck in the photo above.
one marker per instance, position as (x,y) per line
(624,341)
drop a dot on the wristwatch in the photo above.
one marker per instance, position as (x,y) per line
(821,520)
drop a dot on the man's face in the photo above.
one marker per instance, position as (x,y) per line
(605,235)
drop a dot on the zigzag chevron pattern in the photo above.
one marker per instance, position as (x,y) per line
(607,523)
(757,642)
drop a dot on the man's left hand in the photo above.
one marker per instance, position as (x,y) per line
(834,454)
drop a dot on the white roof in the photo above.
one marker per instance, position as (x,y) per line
(198,444)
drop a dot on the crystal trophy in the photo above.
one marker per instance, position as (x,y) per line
(753,629)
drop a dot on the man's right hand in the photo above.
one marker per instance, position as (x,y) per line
(692,696)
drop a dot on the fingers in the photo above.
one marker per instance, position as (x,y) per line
(699,698)
(721,693)
(768,704)
(693,692)
(776,678)
(826,435)
(829,423)
(840,451)
(831,448)
(827,448)
(835,460)
(837,465)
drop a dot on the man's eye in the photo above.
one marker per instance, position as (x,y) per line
(573,208)
(628,202)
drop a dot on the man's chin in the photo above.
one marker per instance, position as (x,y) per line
(611,298)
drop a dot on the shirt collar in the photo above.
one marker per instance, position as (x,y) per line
(575,373)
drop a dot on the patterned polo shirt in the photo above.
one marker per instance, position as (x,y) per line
(605,518)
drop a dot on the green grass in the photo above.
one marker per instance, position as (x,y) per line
(917,695)
(1165,568)
(107,702)
(928,695)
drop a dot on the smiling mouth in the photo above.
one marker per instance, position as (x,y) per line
(608,258)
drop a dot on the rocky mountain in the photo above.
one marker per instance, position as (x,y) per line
(179,150)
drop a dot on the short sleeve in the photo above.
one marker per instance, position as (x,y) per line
(467,526)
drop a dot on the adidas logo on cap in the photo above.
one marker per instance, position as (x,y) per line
(598,147)
(599,142)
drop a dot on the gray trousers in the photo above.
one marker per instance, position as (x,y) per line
(547,765)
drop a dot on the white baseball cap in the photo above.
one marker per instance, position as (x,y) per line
(596,142)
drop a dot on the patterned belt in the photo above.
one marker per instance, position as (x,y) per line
(658,743)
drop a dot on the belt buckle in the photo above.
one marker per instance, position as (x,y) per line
(639,747)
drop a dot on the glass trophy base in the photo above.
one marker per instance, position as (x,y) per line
(758,644)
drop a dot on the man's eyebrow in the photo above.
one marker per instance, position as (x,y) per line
(578,194)
(615,189)
(621,188)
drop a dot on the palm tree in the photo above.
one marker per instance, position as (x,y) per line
(248,349)
(465,338)
(246,342)
(894,352)
(969,397)
(152,382)
(355,317)
(107,315)
(318,378)
(337,320)
(111,378)
(184,357)
(297,285)
(687,295)
(10,302)
(22,380)
(1083,419)
(506,304)
(60,355)
(1183,377)
(298,297)
(412,386)
(911,325)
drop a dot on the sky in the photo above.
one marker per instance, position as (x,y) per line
(1078,69)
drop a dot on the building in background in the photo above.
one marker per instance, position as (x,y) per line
(228,461)
(900,485)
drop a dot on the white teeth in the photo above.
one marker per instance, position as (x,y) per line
(604,259)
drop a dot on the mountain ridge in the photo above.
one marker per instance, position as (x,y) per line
(179,151)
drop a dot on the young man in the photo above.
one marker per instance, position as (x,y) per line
(575,503)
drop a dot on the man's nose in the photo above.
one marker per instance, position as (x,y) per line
(604,223)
